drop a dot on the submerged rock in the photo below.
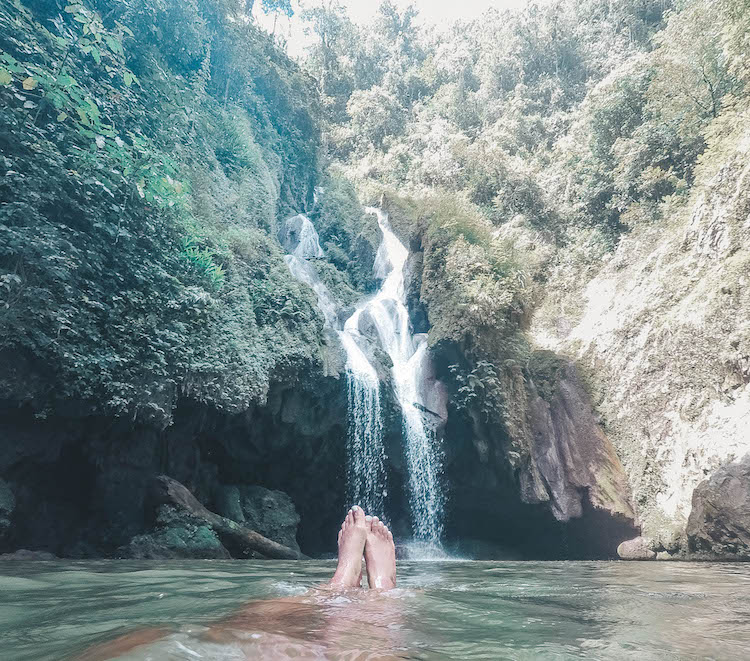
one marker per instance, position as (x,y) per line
(271,513)
(719,522)
(636,549)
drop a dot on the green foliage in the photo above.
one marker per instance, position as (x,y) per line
(147,148)
(277,7)
(471,285)
(480,389)
(574,115)
(349,235)
(203,259)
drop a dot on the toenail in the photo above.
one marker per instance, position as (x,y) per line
(368,518)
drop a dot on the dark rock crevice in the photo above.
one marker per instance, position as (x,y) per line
(79,484)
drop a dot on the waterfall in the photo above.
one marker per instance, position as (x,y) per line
(408,353)
(366,478)
(365,475)
(387,312)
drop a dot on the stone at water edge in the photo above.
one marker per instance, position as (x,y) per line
(635,549)
(177,535)
(24,555)
(270,512)
(719,522)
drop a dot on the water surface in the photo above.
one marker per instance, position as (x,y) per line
(441,610)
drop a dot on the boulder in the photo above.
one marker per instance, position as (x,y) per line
(7,505)
(298,237)
(240,540)
(635,549)
(177,534)
(271,513)
(24,555)
(719,522)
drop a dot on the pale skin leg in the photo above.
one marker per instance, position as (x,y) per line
(282,614)
(352,538)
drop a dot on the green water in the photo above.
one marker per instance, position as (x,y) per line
(446,610)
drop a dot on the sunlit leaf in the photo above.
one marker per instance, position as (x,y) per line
(114,45)
(66,81)
(30,83)
(128,78)
(96,54)
(62,117)
(5,77)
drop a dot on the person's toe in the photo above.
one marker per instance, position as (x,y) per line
(358,516)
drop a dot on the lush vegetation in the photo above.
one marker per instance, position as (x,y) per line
(149,149)
(574,114)
(529,143)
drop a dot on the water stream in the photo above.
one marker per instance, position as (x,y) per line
(386,312)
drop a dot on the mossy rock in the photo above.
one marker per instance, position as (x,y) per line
(177,535)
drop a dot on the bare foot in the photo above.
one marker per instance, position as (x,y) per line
(352,537)
(380,555)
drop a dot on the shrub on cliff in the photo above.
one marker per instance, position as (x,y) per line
(147,150)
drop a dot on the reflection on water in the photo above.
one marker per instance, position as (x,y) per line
(452,610)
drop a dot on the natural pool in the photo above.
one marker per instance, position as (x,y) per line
(441,610)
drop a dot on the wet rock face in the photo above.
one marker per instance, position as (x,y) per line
(298,237)
(719,522)
(636,549)
(79,484)
(7,505)
(662,331)
(571,453)
(271,513)
(540,471)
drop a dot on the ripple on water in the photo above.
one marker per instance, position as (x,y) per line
(441,610)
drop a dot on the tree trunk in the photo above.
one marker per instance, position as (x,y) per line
(239,540)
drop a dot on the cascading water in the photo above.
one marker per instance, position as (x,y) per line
(387,310)
(366,478)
